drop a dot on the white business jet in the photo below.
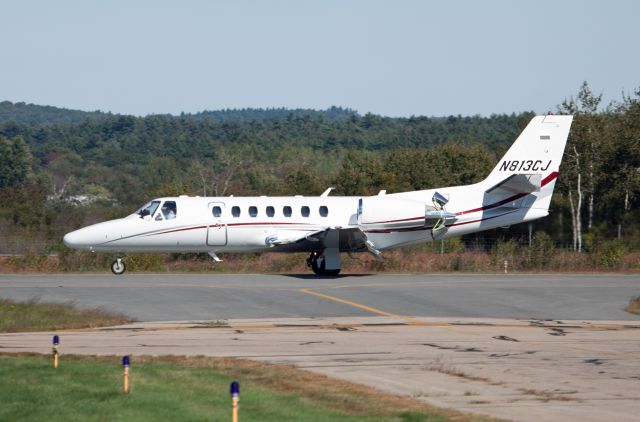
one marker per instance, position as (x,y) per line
(518,189)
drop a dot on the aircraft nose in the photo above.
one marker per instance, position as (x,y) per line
(85,238)
(93,236)
(75,239)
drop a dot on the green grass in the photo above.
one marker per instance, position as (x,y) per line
(34,316)
(190,389)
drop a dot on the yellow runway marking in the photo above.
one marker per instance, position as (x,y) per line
(408,319)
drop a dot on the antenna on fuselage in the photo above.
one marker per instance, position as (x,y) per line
(326,193)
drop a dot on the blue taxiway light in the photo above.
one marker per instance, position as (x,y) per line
(235,388)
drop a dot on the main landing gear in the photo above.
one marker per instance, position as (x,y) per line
(118,267)
(318,264)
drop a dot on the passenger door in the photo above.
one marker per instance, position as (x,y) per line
(217,230)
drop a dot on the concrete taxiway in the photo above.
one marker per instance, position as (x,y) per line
(527,348)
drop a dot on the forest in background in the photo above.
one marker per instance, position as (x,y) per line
(62,169)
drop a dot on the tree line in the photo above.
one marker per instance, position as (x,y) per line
(60,170)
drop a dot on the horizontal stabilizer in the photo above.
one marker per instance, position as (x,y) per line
(518,183)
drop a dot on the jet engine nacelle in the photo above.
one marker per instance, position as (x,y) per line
(390,212)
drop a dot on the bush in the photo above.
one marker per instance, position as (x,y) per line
(611,253)
(71,260)
(505,251)
(147,262)
(454,245)
(541,250)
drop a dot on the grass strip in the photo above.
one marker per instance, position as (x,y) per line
(34,316)
(89,388)
(634,305)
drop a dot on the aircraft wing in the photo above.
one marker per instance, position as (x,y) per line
(279,239)
(351,239)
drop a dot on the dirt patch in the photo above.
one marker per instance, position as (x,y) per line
(633,306)
(547,396)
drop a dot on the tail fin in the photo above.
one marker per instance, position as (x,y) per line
(532,163)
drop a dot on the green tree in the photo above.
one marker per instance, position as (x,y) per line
(361,173)
(410,167)
(15,161)
(620,184)
(582,159)
(452,164)
(303,182)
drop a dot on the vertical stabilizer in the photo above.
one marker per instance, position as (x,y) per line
(533,158)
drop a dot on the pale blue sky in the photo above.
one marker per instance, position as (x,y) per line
(395,58)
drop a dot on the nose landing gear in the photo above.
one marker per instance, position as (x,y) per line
(118,267)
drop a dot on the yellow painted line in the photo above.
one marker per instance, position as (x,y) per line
(408,319)
(347,302)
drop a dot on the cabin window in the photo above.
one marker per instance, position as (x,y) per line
(148,209)
(216,211)
(235,211)
(271,211)
(169,210)
(286,211)
(324,211)
(253,211)
(305,211)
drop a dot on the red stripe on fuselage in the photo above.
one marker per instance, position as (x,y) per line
(397,221)
(178,230)
(231,225)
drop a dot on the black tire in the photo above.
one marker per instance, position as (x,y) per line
(118,267)
(320,269)
(317,269)
(310,259)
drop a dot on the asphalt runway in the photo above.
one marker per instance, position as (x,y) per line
(528,348)
(180,297)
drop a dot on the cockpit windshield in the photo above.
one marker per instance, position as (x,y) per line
(169,210)
(148,209)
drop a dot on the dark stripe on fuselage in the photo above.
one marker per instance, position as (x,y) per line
(164,231)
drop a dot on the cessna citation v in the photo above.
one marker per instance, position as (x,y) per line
(518,190)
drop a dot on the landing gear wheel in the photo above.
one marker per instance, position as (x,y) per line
(319,268)
(118,267)
(312,262)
